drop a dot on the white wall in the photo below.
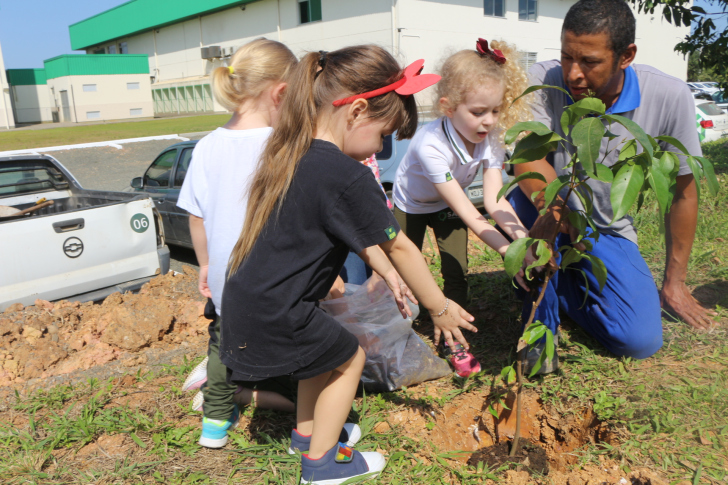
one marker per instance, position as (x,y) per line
(112,99)
(33,103)
(410,29)
(6,111)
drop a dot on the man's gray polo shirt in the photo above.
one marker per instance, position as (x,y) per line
(660,104)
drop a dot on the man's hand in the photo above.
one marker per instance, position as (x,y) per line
(545,225)
(337,290)
(676,299)
(202,282)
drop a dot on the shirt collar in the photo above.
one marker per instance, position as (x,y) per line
(457,143)
(630,96)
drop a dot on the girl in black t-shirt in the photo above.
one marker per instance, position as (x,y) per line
(310,202)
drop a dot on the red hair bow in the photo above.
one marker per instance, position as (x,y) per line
(411,82)
(482,47)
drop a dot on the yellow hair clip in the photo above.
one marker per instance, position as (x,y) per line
(231,69)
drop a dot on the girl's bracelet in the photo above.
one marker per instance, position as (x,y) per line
(447,303)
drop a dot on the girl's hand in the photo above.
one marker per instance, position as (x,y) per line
(450,322)
(202,282)
(337,290)
(400,290)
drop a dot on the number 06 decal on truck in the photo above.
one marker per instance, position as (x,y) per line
(139,223)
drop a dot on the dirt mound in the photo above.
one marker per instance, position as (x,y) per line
(50,339)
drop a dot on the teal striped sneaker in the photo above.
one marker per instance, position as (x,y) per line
(214,432)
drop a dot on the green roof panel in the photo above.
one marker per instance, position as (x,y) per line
(138,16)
(26,77)
(83,64)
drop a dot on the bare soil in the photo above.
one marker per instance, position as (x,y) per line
(49,343)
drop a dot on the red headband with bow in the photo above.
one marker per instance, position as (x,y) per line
(411,82)
(482,47)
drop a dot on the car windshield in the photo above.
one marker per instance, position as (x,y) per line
(710,109)
(720,97)
(26,177)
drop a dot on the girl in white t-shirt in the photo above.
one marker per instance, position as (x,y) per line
(474,101)
(215,194)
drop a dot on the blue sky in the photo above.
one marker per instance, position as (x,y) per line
(34,30)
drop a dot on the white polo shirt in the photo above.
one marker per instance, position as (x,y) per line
(436,155)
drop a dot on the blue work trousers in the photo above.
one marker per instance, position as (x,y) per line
(625,317)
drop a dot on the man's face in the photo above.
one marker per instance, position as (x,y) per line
(587,62)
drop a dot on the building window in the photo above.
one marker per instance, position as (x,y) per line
(527,10)
(89,88)
(495,8)
(112,49)
(132,85)
(309,10)
(135,112)
(123,49)
(93,115)
(99,51)
(528,59)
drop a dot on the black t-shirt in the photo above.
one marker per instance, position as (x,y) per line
(271,323)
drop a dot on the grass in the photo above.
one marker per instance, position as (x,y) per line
(22,139)
(668,413)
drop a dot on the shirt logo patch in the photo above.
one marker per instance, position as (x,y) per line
(390,232)
(448,176)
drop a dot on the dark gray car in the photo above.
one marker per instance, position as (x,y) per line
(163,181)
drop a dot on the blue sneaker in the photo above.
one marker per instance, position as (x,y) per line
(340,464)
(214,431)
(350,435)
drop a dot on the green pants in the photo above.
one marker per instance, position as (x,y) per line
(218,391)
(452,241)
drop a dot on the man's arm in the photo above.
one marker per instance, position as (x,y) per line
(680,224)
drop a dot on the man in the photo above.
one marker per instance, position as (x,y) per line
(597,50)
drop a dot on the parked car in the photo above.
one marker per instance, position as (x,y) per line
(79,244)
(163,181)
(708,86)
(721,99)
(711,121)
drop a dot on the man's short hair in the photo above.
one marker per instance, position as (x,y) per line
(613,17)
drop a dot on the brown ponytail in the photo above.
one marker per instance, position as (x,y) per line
(347,71)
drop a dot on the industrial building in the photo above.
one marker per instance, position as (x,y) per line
(6,113)
(78,87)
(186,39)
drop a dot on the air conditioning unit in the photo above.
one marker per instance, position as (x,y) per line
(211,52)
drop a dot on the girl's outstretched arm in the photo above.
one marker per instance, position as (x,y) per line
(500,210)
(447,315)
(377,260)
(199,242)
(453,195)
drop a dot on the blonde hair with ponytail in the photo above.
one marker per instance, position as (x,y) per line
(314,84)
(466,70)
(251,70)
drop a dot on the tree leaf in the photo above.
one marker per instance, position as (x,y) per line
(523,176)
(625,189)
(536,334)
(541,86)
(674,142)
(697,173)
(629,150)
(566,121)
(544,254)
(598,269)
(553,189)
(587,136)
(709,173)
(532,126)
(603,173)
(589,105)
(529,155)
(586,284)
(637,132)
(571,256)
(578,220)
(515,254)
(549,343)
(661,186)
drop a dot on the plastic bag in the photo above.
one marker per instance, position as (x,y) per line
(396,355)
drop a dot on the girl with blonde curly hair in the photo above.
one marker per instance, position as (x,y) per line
(475,102)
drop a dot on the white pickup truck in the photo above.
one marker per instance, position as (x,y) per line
(84,246)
